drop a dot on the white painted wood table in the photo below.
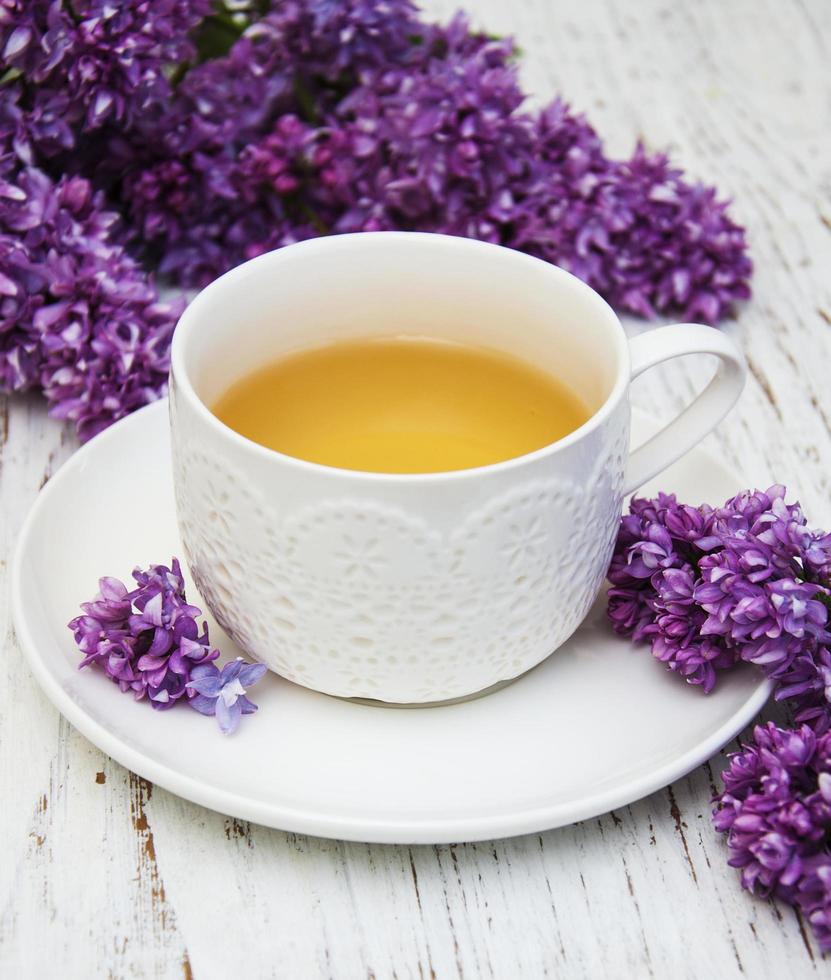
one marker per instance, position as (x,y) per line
(104,875)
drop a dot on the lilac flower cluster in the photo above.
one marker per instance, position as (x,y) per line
(220,131)
(747,581)
(76,67)
(776,812)
(750,582)
(78,317)
(409,126)
(149,642)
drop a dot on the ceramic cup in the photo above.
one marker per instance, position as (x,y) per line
(428,587)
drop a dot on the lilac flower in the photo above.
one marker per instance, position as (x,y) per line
(776,811)
(746,581)
(696,660)
(712,587)
(766,534)
(331,43)
(814,895)
(768,624)
(78,317)
(678,638)
(165,617)
(94,62)
(651,211)
(807,685)
(112,604)
(659,532)
(631,611)
(798,613)
(765,623)
(653,553)
(250,213)
(446,140)
(406,125)
(189,179)
(222,692)
(609,221)
(148,641)
(321,117)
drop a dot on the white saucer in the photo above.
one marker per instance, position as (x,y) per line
(596,726)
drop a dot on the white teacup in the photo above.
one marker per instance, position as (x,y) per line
(427,587)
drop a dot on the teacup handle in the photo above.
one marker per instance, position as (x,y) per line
(697,419)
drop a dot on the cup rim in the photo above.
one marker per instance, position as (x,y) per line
(189,318)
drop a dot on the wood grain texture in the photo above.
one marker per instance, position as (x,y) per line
(103,875)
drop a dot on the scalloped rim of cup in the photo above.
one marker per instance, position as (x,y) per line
(189,318)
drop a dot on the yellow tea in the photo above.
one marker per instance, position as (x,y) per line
(403,405)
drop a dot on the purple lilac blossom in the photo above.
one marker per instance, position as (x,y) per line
(646,239)
(82,65)
(149,641)
(707,588)
(79,318)
(402,125)
(222,692)
(331,45)
(776,812)
(747,581)
(320,117)
(446,141)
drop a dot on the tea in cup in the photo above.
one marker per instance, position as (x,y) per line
(401,405)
